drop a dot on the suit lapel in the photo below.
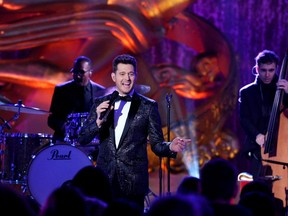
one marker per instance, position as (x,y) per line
(112,132)
(110,127)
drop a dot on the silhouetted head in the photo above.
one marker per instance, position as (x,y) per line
(93,182)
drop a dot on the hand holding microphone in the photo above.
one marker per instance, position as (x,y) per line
(105,109)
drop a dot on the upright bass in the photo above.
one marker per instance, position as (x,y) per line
(276,143)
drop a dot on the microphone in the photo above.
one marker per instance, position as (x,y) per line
(113,98)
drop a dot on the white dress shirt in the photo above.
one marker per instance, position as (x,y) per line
(121,109)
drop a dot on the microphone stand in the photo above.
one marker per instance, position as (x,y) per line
(160,176)
(168,99)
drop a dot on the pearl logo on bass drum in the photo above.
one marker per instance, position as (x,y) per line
(56,155)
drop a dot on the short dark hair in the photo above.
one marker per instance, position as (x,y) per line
(124,59)
(266,57)
(218,179)
(78,61)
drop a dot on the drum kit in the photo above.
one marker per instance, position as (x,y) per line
(34,161)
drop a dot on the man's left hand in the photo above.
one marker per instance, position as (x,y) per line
(179,144)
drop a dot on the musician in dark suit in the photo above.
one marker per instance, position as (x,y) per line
(74,96)
(123,134)
(255,103)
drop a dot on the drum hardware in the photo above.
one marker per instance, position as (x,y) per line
(73,125)
(5,124)
(147,200)
(51,167)
(18,182)
(21,108)
(19,186)
(4,100)
(2,149)
(17,149)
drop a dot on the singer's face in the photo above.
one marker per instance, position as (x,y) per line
(124,78)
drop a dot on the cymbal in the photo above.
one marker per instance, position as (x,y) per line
(22,109)
(4,100)
(141,89)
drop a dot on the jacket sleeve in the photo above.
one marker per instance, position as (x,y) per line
(56,119)
(156,138)
(89,130)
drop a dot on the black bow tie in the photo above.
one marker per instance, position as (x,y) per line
(124,98)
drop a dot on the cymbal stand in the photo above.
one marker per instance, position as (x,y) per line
(7,125)
(2,143)
(2,148)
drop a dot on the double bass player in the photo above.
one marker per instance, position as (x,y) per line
(256,101)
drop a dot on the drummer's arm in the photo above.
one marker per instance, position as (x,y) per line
(56,123)
(57,117)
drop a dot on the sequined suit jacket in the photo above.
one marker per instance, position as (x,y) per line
(130,159)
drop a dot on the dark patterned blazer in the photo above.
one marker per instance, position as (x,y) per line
(130,159)
(68,98)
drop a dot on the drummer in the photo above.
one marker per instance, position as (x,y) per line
(73,96)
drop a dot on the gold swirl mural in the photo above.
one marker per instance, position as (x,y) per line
(179,54)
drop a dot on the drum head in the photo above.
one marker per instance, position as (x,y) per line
(53,166)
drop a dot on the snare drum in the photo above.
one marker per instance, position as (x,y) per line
(53,166)
(17,149)
(72,128)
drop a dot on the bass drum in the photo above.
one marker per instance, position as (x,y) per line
(53,166)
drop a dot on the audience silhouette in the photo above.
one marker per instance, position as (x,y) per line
(12,202)
(93,182)
(219,185)
(121,206)
(189,185)
(65,200)
(89,193)
(263,201)
(177,204)
(259,203)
